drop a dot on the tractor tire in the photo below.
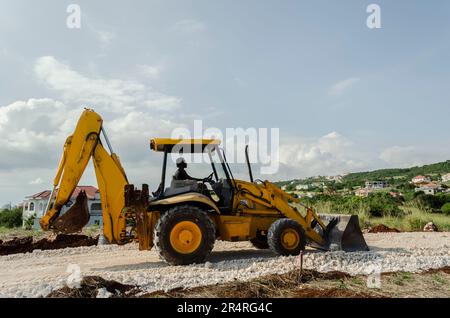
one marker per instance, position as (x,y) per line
(260,242)
(184,235)
(286,237)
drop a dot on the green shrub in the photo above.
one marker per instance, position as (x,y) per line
(416,223)
(446,209)
(433,203)
(383,204)
(11,218)
(29,222)
(378,204)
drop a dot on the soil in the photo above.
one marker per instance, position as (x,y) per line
(90,287)
(26,244)
(329,293)
(383,229)
(307,284)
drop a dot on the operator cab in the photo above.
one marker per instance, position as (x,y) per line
(217,185)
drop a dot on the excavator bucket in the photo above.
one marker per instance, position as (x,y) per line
(343,233)
(75,218)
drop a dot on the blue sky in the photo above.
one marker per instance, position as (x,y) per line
(345,97)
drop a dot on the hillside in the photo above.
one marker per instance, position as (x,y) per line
(395,175)
(433,170)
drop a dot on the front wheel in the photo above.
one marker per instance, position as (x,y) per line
(286,237)
(184,235)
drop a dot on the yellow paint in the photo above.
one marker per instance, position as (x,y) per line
(290,239)
(79,148)
(159,144)
(185,237)
(192,197)
(264,202)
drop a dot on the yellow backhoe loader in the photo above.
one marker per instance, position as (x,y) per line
(184,219)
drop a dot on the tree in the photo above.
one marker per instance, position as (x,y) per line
(446,209)
(11,218)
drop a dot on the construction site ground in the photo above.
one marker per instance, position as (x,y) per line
(398,265)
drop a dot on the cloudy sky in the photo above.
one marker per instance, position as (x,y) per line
(345,97)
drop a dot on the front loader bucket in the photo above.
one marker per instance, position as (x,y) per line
(75,218)
(343,233)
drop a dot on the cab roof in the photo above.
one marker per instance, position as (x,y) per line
(182,145)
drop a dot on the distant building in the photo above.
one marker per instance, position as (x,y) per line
(302,187)
(429,188)
(374,185)
(420,179)
(35,204)
(364,192)
(337,178)
(446,177)
(318,184)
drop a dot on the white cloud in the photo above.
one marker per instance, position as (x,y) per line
(112,94)
(189,26)
(30,129)
(340,87)
(150,71)
(37,181)
(327,155)
(105,37)
(33,132)
(407,156)
(240,82)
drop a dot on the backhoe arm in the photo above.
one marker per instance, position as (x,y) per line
(83,144)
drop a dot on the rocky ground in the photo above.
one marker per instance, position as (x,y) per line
(43,271)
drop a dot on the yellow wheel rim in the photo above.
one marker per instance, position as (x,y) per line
(290,239)
(185,237)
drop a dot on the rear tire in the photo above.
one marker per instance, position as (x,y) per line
(286,237)
(184,235)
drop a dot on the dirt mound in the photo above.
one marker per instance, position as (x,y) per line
(383,229)
(26,244)
(93,287)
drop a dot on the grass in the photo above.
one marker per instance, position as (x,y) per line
(414,218)
(401,278)
(8,234)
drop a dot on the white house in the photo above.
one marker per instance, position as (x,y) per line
(429,188)
(446,177)
(420,179)
(364,192)
(34,205)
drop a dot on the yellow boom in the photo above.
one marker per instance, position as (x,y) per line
(79,148)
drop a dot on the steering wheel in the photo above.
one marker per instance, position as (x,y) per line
(209,178)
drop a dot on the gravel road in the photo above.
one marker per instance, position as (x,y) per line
(38,273)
